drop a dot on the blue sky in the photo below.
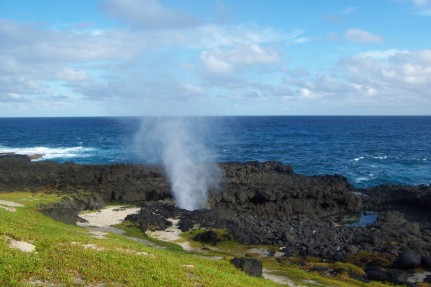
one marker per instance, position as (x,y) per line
(196,57)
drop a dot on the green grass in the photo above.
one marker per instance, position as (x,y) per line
(68,255)
(61,256)
(134,231)
(304,277)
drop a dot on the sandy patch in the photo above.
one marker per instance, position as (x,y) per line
(100,223)
(89,246)
(262,252)
(418,277)
(11,209)
(280,279)
(9,205)
(101,248)
(171,234)
(98,234)
(21,245)
(108,216)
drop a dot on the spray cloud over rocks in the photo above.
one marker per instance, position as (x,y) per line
(179,145)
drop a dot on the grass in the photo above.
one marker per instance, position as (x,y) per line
(68,255)
(133,231)
(304,277)
(287,267)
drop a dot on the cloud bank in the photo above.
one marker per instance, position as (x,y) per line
(162,60)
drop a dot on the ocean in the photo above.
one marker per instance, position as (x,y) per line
(368,150)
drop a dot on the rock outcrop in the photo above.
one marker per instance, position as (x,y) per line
(260,203)
(67,209)
(250,266)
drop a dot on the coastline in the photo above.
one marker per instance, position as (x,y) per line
(260,203)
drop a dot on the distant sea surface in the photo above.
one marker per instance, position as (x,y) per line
(367,150)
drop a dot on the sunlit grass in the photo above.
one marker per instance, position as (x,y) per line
(68,255)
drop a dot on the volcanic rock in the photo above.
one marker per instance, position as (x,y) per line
(207,237)
(68,208)
(250,266)
(258,203)
(408,259)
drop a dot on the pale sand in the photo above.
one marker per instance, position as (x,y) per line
(171,234)
(100,223)
(108,216)
(264,252)
(21,245)
(9,205)
(11,209)
(280,279)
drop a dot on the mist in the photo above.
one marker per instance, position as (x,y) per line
(179,145)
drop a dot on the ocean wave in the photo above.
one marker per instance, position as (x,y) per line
(358,158)
(381,157)
(44,153)
(360,179)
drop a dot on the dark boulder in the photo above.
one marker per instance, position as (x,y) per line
(408,259)
(375,273)
(207,237)
(147,220)
(67,209)
(185,224)
(426,261)
(250,266)
(64,214)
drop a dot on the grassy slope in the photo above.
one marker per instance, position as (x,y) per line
(67,255)
(64,255)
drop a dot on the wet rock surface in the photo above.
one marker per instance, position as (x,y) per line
(261,203)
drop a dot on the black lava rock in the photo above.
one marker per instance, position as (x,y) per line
(408,260)
(207,237)
(250,266)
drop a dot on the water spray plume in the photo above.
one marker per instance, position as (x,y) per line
(175,142)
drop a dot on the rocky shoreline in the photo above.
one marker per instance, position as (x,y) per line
(261,203)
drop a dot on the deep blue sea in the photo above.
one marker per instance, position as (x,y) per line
(367,150)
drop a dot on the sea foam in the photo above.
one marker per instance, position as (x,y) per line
(49,152)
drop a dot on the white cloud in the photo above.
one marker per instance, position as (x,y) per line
(362,36)
(421,2)
(148,14)
(71,74)
(381,54)
(341,15)
(348,10)
(38,63)
(398,83)
(421,7)
(229,60)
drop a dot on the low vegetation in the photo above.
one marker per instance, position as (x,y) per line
(68,255)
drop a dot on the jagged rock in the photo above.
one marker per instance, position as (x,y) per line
(258,203)
(147,220)
(250,266)
(185,224)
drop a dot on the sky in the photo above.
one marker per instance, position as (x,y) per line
(214,57)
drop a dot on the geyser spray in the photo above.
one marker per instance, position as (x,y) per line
(178,144)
